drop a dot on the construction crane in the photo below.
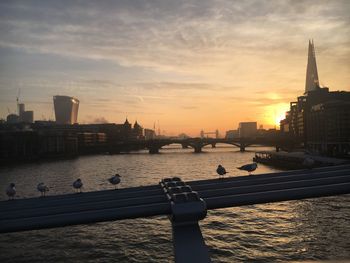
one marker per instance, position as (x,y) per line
(17,99)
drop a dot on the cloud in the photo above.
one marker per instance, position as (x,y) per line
(190,107)
(100,120)
(158,57)
(182,86)
(190,34)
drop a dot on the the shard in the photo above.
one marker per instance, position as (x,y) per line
(312,82)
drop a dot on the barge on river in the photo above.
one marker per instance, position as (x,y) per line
(295,160)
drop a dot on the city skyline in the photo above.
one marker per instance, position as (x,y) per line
(191,65)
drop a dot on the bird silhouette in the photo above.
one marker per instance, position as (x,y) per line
(115,179)
(249,167)
(221,171)
(78,184)
(308,163)
(42,188)
(11,191)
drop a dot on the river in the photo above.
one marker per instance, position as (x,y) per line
(315,229)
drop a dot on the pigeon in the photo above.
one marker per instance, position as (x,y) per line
(221,170)
(42,188)
(115,180)
(11,191)
(249,167)
(78,184)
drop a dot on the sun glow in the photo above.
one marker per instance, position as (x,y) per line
(280,116)
(275,113)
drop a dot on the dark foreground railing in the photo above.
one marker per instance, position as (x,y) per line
(184,202)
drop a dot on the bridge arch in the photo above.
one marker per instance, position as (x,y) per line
(155,145)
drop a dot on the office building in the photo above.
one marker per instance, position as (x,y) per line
(247,129)
(66,109)
(27,117)
(312,82)
(320,119)
(328,128)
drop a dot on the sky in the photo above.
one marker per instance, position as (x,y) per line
(182,66)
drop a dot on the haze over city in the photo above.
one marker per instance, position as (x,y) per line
(188,65)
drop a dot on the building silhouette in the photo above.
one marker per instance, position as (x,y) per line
(149,134)
(25,116)
(137,131)
(231,134)
(22,117)
(247,129)
(66,109)
(320,118)
(12,118)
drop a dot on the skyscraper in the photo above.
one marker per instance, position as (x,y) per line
(312,82)
(66,109)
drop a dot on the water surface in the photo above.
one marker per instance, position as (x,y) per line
(315,229)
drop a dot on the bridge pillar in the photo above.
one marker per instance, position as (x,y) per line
(114,151)
(198,148)
(184,145)
(213,145)
(242,148)
(187,209)
(277,148)
(153,150)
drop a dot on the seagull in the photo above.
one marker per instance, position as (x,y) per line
(115,180)
(249,167)
(78,184)
(11,191)
(221,170)
(308,162)
(42,188)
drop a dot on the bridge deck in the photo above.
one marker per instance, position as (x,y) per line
(145,201)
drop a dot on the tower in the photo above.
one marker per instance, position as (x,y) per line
(66,109)
(312,82)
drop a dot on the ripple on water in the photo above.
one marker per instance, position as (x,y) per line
(296,230)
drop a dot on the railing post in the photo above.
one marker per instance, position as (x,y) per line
(242,148)
(187,209)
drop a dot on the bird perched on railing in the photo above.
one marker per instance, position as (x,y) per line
(308,163)
(42,188)
(249,167)
(115,179)
(78,184)
(221,171)
(11,191)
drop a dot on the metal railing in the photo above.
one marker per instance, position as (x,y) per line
(183,202)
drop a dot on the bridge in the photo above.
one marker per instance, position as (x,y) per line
(185,203)
(216,133)
(197,144)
